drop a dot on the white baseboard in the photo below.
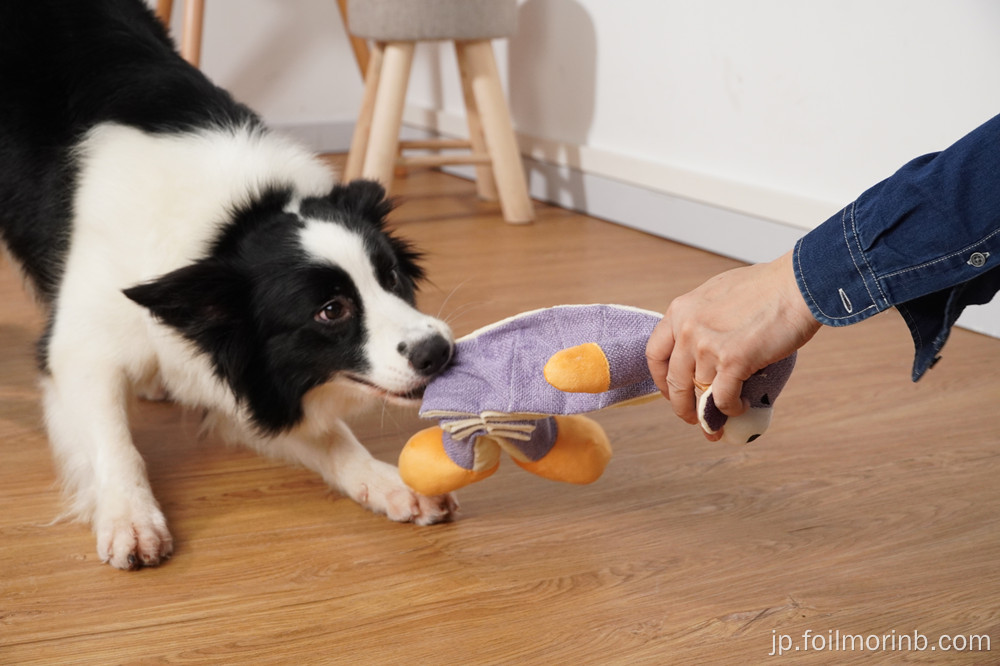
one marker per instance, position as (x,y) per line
(689,222)
(743,222)
(782,207)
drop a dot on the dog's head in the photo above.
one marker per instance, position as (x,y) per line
(294,295)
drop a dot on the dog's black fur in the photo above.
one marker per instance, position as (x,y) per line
(64,68)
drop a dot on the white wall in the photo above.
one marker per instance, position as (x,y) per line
(808,101)
(640,111)
(288,59)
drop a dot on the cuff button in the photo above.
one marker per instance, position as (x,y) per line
(978,259)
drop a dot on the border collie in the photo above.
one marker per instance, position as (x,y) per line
(178,246)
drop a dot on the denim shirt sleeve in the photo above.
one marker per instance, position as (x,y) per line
(925,241)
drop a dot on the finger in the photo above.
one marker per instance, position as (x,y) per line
(658,350)
(680,387)
(726,394)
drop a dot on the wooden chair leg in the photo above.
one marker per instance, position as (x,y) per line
(164,10)
(498,130)
(383,141)
(486,186)
(194,17)
(363,127)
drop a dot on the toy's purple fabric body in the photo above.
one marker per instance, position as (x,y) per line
(500,368)
(495,384)
(524,384)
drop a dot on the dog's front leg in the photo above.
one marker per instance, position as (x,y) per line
(87,418)
(348,467)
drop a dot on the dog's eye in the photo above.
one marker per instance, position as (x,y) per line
(337,310)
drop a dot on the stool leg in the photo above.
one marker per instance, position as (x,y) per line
(164,10)
(498,129)
(194,16)
(358,44)
(486,186)
(363,127)
(387,117)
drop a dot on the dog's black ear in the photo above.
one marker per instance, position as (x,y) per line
(366,200)
(205,301)
(210,304)
(362,198)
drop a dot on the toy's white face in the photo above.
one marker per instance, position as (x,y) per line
(741,429)
(748,426)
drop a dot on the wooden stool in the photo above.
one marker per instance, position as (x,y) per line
(395,26)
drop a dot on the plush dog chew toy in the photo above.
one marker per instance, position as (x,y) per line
(523,384)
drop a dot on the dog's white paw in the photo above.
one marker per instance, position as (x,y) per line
(407,506)
(133,539)
(384,492)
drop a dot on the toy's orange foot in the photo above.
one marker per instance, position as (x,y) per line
(579,455)
(425,466)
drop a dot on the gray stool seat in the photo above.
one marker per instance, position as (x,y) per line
(395,27)
(429,20)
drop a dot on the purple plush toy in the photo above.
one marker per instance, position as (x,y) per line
(523,384)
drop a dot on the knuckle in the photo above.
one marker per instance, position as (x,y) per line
(675,386)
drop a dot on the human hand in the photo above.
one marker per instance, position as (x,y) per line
(722,332)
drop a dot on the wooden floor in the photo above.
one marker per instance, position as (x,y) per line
(872,506)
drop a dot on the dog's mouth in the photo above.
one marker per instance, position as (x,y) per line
(412,395)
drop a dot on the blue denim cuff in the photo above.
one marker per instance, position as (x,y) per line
(833,274)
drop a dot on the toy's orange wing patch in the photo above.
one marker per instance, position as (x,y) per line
(580,369)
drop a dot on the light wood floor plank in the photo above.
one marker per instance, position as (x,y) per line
(871,505)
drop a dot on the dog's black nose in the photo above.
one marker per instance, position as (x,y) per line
(429,356)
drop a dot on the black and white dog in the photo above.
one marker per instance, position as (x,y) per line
(175,243)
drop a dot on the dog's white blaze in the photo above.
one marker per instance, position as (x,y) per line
(389,320)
